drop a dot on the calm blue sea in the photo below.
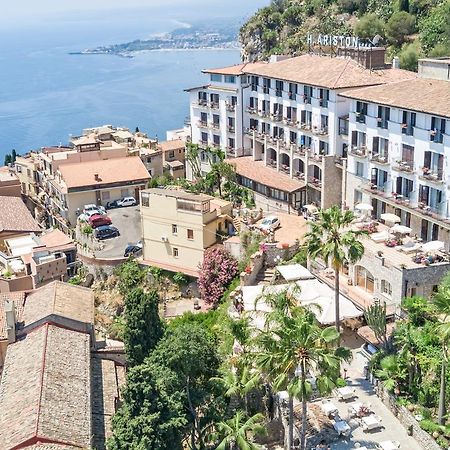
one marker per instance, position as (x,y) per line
(47,94)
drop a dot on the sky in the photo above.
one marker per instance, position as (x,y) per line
(20,12)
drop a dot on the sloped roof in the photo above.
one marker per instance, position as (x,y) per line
(60,299)
(45,390)
(14,216)
(237,69)
(19,299)
(327,72)
(174,144)
(421,94)
(115,170)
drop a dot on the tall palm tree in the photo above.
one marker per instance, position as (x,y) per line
(331,239)
(441,301)
(295,347)
(237,432)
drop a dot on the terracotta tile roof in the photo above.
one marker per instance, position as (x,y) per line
(45,390)
(56,239)
(237,69)
(19,299)
(59,299)
(422,94)
(115,170)
(175,144)
(257,171)
(328,72)
(14,216)
(369,336)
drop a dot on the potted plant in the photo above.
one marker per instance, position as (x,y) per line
(284,245)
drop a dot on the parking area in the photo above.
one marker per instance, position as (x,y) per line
(291,227)
(128,221)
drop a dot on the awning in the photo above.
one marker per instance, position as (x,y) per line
(391,218)
(294,272)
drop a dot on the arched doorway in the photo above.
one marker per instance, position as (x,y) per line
(271,157)
(285,161)
(364,279)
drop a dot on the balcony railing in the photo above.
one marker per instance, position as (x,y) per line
(323,103)
(315,182)
(202,103)
(251,110)
(305,126)
(380,158)
(215,125)
(407,129)
(404,166)
(292,96)
(214,105)
(290,121)
(231,150)
(359,151)
(306,99)
(230,107)
(231,128)
(276,117)
(382,123)
(202,123)
(300,150)
(436,176)
(360,117)
(299,175)
(315,157)
(321,131)
(436,136)
(263,114)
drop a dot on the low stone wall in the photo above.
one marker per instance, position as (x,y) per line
(96,266)
(406,419)
(274,253)
(256,264)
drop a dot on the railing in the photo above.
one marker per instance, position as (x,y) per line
(404,166)
(437,137)
(407,129)
(215,125)
(315,182)
(382,123)
(251,110)
(231,108)
(276,117)
(292,96)
(305,126)
(359,151)
(323,103)
(360,117)
(300,150)
(306,99)
(315,157)
(202,123)
(433,176)
(202,103)
(289,121)
(380,158)
(231,128)
(214,105)
(231,150)
(323,131)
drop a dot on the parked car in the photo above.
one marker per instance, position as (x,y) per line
(91,207)
(106,232)
(112,205)
(133,249)
(270,223)
(97,220)
(126,201)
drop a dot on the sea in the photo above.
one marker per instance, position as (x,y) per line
(48,95)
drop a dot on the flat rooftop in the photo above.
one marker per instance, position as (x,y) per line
(178,193)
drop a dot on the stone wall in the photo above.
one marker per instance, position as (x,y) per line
(274,253)
(255,266)
(406,419)
(97,266)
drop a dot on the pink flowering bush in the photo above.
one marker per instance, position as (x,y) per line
(216,273)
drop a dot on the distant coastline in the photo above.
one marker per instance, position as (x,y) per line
(210,36)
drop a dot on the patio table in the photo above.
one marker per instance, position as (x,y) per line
(328,408)
(370,422)
(342,427)
(388,445)
(346,392)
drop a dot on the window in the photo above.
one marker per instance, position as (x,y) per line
(266,85)
(383,117)
(293,90)
(278,88)
(204,138)
(145,200)
(105,195)
(230,79)
(216,77)
(190,234)
(171,154)
(174,229)
(361,112)
(437,129)
(18,168)
(386,288)
(124,192)
(234,100)
(359,169)
(255,83)
(216,139)
(203,118)
(231,143)
(408,122)
(175,252)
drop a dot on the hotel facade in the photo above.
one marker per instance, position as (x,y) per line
(333,130)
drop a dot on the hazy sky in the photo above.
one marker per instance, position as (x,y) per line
(27,10)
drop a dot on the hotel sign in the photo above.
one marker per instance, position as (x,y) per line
(329,40)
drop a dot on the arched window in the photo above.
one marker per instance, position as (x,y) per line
(364,279)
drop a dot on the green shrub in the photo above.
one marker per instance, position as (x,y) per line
(180,278)
(400,25)
(87,230)
(409,57)
(369,26)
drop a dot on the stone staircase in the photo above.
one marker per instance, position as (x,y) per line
(265,276)
(237,224)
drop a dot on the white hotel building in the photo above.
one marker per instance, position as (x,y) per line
(334,130)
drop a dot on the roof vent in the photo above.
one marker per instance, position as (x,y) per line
(97,177)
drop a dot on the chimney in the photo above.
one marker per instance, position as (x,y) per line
(10,321)
(396,62)
(96,176)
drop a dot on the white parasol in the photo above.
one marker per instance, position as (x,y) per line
(391,218)
(400,229)
(364,207)
(433,246)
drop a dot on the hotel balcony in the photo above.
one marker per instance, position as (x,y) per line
(323,103)
(434,176)
(380,159)
(230,107)
(202,124)
(214,105)
(276,117)
(291,122)
(315,157)
(251,110)
(407,129)
(320,131)
(231,151)
(306,99)
(299,175)
(315,182)
(360,151)
(382,123)
(437,137)
(404,166)
(300,150)
(305,126)
(360,117)
(214,125)
(202,104)
(231,128)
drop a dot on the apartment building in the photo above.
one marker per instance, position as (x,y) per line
(178,226)
(398,156)
(9,183)
(287,122)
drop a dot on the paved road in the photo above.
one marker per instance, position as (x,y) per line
(128,221)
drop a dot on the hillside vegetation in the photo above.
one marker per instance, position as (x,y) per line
(409,29)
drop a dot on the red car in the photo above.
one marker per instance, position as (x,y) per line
(97,220)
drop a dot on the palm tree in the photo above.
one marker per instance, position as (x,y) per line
(237,432)
(405,341)
(390,372)
(331,239)
(441,301)
(239,382)
(295,347)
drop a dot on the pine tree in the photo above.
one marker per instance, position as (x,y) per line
(143,326)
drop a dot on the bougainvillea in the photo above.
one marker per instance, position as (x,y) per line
(216,273)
